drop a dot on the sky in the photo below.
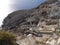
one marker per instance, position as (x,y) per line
(8,6)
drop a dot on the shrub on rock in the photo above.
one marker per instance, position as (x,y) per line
(7,38)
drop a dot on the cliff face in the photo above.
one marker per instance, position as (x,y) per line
(23,20)
(38,24)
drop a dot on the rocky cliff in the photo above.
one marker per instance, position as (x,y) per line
(37,26)
(41,17)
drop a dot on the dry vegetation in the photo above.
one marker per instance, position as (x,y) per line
(7,38)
